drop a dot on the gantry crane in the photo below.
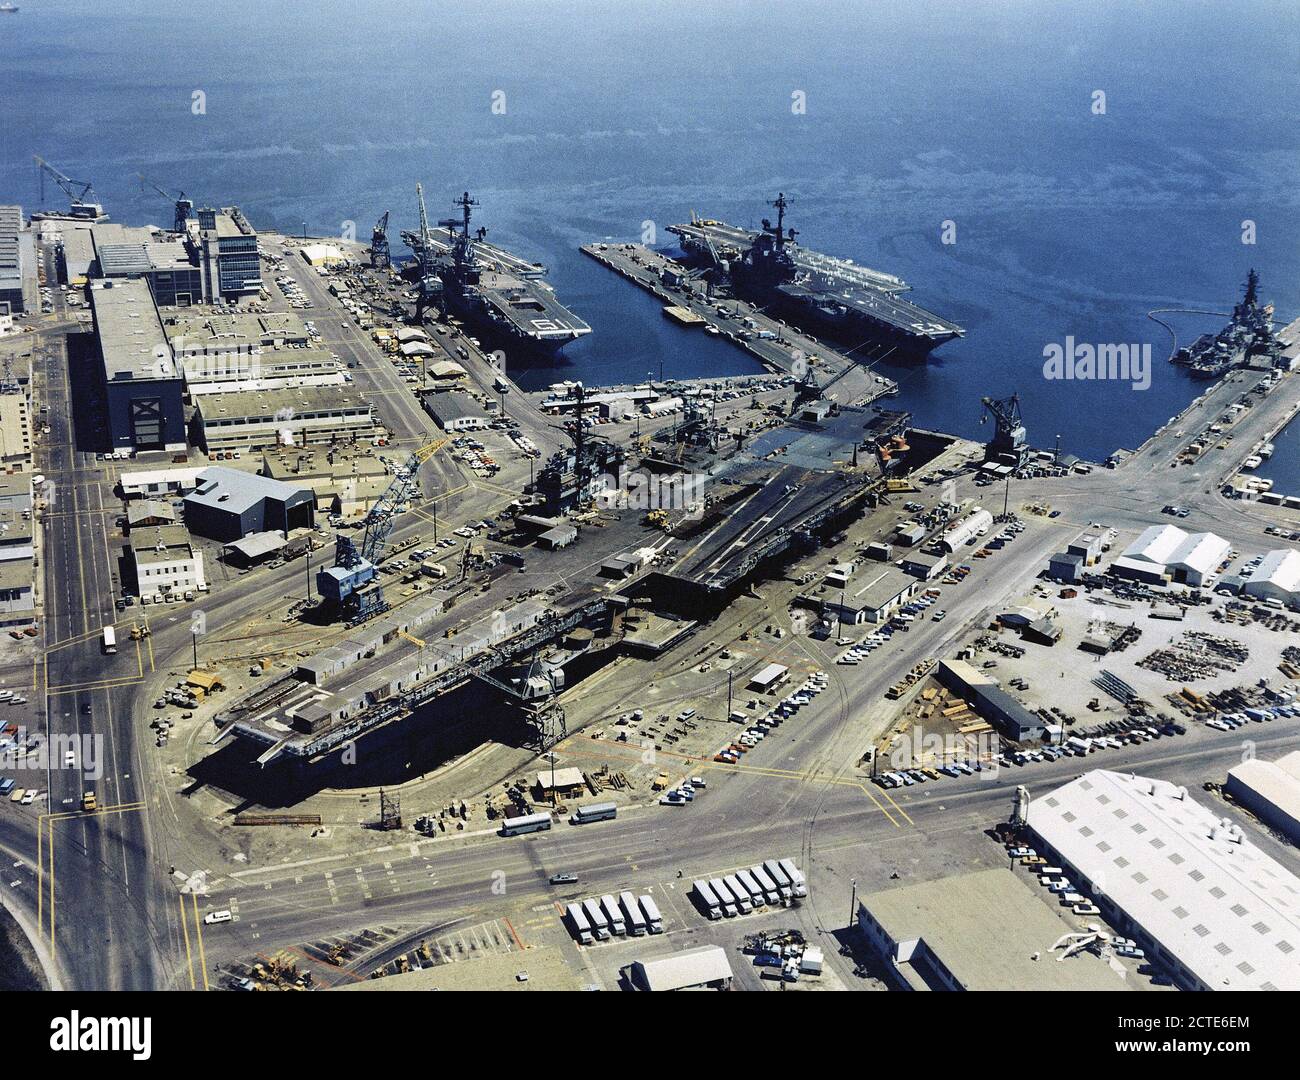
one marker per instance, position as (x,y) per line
(1008,445)
(379,254)
(808,389)
(184,208)
(350,584)
(80,193)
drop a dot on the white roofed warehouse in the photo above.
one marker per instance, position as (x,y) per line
(1271,791)
(1277,578)
(1206,904)
(702,968)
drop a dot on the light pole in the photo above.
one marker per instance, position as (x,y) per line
(853,903)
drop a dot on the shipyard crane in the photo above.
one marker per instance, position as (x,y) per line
(1008,444)
(350,584)
(80,193)
(184,208)
(808,389)
(429,283)
(379,254)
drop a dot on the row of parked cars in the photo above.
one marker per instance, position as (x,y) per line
(786,708)
(1229,721)
(1083,745)
(908,777)
(1053,879)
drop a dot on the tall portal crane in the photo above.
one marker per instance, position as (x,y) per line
(808,389)
(350,583)
(430,285)
(379,255)
(184,208)
(1008,445)
(80,193)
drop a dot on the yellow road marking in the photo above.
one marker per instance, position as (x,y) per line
(198,933)
(189,956)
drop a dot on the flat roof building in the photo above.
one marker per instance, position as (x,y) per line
(15,433)
(142,382)
(17,592)
(1271,791)
(980,931)
(164,561)
(228,253)
(13,258)
(283,417)
(1204,902)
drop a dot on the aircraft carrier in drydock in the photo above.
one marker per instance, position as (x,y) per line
(503,297)
(819,293)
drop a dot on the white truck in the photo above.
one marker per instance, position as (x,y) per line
(654,921)
(796,877)
(636,921)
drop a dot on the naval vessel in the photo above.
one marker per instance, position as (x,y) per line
(504,298)
(817,292)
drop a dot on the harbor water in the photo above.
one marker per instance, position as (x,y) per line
(1073,214)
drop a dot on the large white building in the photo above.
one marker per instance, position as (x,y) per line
(1207,904)
(1270,790)
(1277,578)
(1167,553)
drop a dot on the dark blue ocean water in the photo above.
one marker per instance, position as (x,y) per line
(1068,223)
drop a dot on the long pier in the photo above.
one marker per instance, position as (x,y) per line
(780,348)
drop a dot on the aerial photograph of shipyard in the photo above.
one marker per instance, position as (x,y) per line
(556,495)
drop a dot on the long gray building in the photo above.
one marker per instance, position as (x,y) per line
(142,382)
(12,258)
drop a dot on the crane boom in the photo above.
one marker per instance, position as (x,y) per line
(184,208)
(80,193)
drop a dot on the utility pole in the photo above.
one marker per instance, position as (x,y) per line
(1006,498)
(853,903)
(729,709)
(194,639)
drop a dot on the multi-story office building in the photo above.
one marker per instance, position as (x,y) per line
(228,253)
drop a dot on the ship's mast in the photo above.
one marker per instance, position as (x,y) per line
(779,232)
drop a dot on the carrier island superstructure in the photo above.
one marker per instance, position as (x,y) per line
(502,297)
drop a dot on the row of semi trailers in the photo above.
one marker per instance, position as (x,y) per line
(776,881)
(600,919)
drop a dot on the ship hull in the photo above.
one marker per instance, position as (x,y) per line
(843,326)
(496,333)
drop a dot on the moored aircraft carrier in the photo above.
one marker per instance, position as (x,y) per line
(505,298)
(818,292)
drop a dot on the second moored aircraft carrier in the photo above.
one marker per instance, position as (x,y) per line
(817,292)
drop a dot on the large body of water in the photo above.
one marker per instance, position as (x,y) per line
(1068,222)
